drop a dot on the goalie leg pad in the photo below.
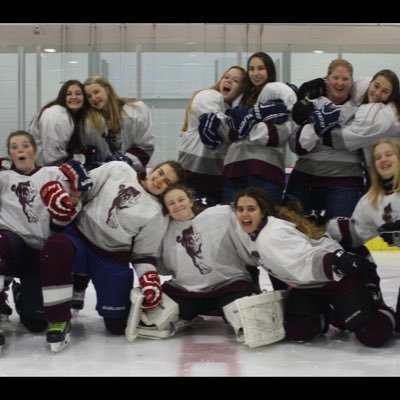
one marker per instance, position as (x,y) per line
(131,331)
(152,332)
(258,319)
(163,315)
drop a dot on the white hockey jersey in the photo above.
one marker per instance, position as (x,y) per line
(365,221)
(22,210)
(262,152)
(193,155)
(120,215)
(135,140)
(318,158)
(52,134)
(201,253)
(289,255)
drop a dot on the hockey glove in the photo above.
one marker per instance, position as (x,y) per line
(390,233)
(324,119)
(57,201)
(344,263)
(151,289)
(125,159)
(208,130)
(77,176)
(272,111)
(241,121)
(312,89)
(301,111)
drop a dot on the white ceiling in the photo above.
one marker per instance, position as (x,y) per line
(203,37)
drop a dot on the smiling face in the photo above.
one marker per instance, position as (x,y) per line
(22,153)
(379,90)
(339,83)
(96,95)
(257,72)
(160,180)
(231,84)
(179,205)
(386,160)
(248,214)
(74,98)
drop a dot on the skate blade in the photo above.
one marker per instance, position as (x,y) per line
(57,347)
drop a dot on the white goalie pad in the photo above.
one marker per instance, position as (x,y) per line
(151,332)
(257,320)
(135,313)
(159,322)
(163,315)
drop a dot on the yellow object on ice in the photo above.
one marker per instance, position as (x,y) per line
(378,244)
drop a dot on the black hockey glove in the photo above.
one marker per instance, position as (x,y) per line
(312,89)
(344,263)
(301,111)
(390,233)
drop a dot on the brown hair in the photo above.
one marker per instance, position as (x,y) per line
(184,189)
(30,138)
(267,207)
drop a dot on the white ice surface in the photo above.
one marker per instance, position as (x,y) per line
(210,350)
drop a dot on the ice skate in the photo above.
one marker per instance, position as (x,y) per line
(58,335)
(77,302)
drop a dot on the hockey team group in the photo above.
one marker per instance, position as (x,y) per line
(78,204)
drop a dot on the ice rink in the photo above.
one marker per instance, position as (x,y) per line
(208,350)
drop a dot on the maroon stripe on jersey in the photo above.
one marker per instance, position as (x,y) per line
(344,227)
(273,137)
(259,168)
(234,287)
(327,264)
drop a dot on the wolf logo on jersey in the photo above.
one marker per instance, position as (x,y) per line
(126,198)
(26,193)
(191,241)
(387,214)
(113,140)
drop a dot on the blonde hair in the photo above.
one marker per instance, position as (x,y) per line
(111,117)
(377,190)
(339,62)
(304,225)
(214,87)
